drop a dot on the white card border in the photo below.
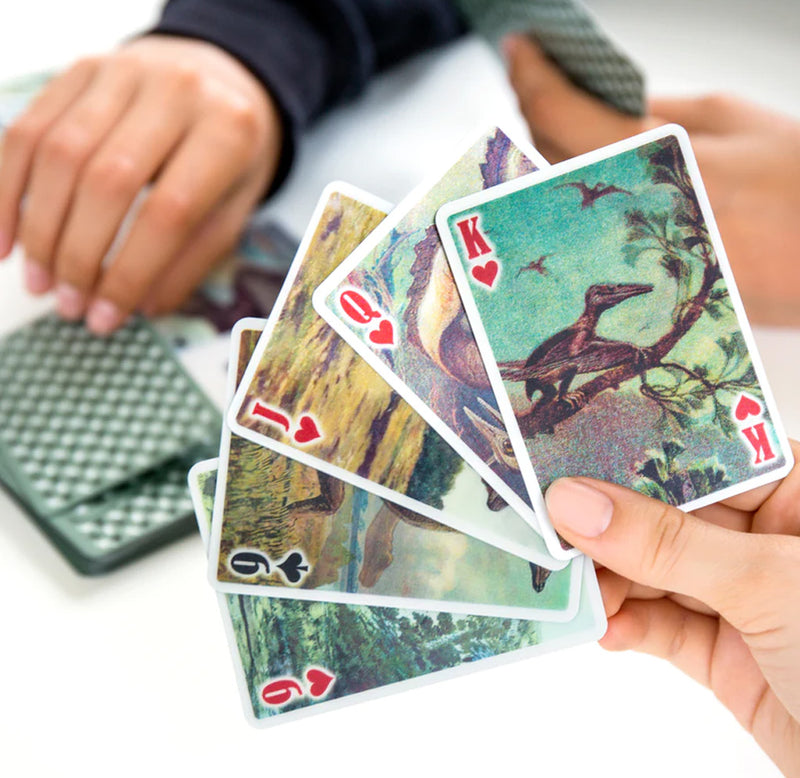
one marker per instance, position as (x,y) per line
(628,144)
(536,553)
(339,275)
(376,600)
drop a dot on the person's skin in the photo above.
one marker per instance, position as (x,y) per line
(181,116)
(749,158)
(717,593)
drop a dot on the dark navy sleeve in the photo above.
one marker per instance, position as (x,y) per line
(313,54)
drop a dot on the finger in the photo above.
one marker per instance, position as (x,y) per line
(21,139)
(210,244)
(615,589)
(716,114)
(747,502)
(780,512)
(193,183)
(60,156)
(664,629)
(563,119)
(110,184)
(724,515)
(660,546)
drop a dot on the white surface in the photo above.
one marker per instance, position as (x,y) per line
(130,673)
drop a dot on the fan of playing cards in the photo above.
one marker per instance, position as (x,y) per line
(378,512)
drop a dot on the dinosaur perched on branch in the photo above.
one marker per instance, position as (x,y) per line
(679,241)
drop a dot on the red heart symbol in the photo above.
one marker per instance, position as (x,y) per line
(307,431)
(747,406)
(384,334)
(319,681)
(486,274)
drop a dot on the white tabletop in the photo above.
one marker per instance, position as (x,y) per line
(130,673)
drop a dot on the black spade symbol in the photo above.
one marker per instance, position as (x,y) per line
(292,566)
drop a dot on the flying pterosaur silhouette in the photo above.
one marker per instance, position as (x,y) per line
(536,265)
(577,349)
(591,194)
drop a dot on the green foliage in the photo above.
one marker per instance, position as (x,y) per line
(691,394)
(363,647)
(687,394)
(435,470)
(664,478)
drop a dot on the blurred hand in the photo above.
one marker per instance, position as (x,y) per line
(717,597)
(180,115)
(749,158)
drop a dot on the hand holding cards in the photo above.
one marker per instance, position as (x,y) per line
(343,497)
(632,336)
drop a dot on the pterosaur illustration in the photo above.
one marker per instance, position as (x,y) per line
(577,349)
(591,194)
(537,265)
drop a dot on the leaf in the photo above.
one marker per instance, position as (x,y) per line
(726,346)
(684,421)
(630,254)
(694,401)
(714,310)
(661,176)
(635,218)
(723,418)
(649,489)
(673,449)
(652,469)
(748,378)
(673,266)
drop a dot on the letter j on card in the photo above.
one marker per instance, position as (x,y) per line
(605,310)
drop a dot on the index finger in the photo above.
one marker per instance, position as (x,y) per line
(21,137)
(662,547)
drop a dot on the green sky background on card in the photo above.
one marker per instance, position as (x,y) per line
(608,437)
(586,245)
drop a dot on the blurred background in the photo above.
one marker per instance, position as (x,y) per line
(131,672)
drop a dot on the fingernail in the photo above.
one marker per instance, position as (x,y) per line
(103,317)
(37,278)
(578,508)
(70,301)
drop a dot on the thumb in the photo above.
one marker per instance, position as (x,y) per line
(563,119)
(660,546)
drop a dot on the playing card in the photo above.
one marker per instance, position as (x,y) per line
(296,532)
(399,277)
(80,415)
(127,521)
(568,33)
(122,523)
(608,318)
(307,395)
(294,657)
